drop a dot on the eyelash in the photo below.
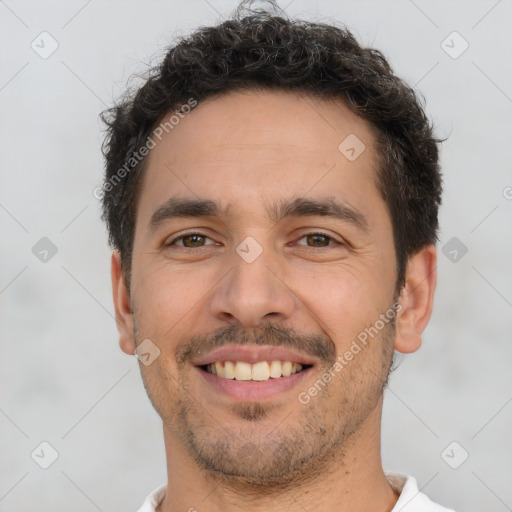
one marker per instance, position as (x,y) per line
(181,237)
(313,233)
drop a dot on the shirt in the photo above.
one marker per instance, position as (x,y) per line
(410,500)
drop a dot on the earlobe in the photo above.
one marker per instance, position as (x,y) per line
(416,299)
(123,310)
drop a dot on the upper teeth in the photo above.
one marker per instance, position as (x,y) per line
(258,371)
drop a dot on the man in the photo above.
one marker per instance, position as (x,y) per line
(271,194)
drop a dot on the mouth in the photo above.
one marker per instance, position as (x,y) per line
(247,373)
(258,372)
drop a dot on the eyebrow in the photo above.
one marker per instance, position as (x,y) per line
(303,207)
(298,207)
(184,208)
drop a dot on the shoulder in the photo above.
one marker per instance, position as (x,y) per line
(411,499)
(154,499)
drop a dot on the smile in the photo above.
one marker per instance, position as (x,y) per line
(252,372)
(260,371)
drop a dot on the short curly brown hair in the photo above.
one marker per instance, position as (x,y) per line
(265,50)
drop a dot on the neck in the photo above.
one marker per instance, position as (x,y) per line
(351,479)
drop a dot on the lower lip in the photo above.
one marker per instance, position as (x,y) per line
(250,389)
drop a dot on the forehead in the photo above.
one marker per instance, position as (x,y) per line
(262,144)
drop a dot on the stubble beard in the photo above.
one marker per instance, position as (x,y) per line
(262,448)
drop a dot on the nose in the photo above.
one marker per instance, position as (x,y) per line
(252,293)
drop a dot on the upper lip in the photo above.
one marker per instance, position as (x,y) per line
(252,354)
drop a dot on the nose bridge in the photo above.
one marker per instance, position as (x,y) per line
(253,289)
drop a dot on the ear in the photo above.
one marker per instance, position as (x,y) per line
(124,315)
(416,299)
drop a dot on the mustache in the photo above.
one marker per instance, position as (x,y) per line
(318,346)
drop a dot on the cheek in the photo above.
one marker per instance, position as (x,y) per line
(166,299)
(339,300)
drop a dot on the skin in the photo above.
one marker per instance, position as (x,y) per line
(246,151)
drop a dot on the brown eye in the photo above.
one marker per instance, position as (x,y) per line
(190,241)
(193,240)
(317,240)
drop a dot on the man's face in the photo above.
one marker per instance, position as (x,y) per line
(265,272)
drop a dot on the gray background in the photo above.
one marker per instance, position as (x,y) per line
(63,378)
